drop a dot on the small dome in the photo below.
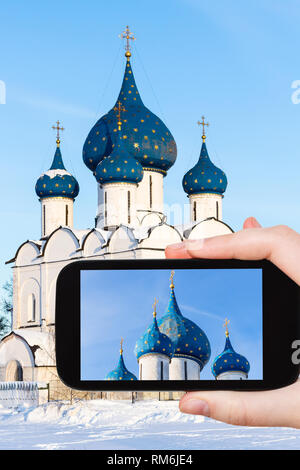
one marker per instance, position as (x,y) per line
(204,177)
(119,166)
(120,372)
(57,181)
(146,137)
(189,339)
(153,342)
(229,361)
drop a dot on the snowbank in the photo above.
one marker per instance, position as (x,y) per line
(117,425)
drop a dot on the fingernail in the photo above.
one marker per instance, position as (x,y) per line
(195,244)
(195,407)
(177,246)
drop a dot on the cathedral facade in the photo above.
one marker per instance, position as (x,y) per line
(129,152)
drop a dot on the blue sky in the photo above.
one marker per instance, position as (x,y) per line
(116,304)
(232,61)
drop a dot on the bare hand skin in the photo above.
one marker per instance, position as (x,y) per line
(281,246)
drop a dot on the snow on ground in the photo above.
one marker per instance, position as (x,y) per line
(120,425)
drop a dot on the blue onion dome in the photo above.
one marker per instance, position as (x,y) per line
(229,360)
(145,136)
(153,341)
(120,166)
(204,177)
(57,181)
(120,372)
(189,339)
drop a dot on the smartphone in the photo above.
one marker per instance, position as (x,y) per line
(159,325)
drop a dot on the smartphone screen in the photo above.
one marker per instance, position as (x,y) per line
(159,324)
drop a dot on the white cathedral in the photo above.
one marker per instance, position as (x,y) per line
(129,152)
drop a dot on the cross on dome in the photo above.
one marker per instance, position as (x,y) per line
(58,128)
(154,307)
(203,124)
(118,110)
(128,35)
(226,327)
(172,279)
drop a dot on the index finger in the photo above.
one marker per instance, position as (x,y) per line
(279,244)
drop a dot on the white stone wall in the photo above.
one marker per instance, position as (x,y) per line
(114,207)
(177,369)
(234,375)
(150,367)
(55,211)
(150,193)
(204,206)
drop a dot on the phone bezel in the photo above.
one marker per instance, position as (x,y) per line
(281,326)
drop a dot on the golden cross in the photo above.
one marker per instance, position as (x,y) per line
(128,35)
(203,124)
(58,128)
(154,306)
(226,327)
(171,279)
(121,350)
(118,110)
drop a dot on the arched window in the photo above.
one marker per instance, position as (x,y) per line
(185,371)
(217,210)
(105,208)
(31,311)
(161,370)
(14,372)
(195,211)
(150,191)
(128,206)
(44,220)
(141,369)
(67,214)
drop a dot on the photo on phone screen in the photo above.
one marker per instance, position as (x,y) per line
(159,324)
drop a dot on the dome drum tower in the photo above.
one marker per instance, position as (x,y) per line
(191,345)
(150,193)
(145,139)
(205,205)
(229,365)
(57,190)
(118,176)
(154,351)
(154,367)
(182,368)
(117,205)
(205,185)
